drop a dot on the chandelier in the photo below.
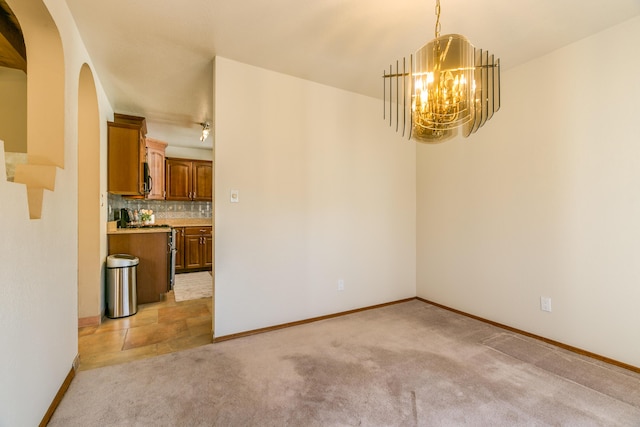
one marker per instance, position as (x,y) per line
(451,84)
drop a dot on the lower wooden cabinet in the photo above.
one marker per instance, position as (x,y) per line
(179,244)
(195,249)
(153,251)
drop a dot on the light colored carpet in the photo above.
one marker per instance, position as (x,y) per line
(409,364)
(190,286)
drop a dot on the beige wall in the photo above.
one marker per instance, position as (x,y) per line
(38,258)
(189,153)
(326,193)
(13,109)
(545,201)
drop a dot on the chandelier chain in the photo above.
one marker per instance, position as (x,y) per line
(437,18)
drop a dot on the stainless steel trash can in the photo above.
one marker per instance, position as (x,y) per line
(121,285)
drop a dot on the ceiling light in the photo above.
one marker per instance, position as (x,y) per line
(452,85)
(206,128)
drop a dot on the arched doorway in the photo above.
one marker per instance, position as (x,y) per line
(89,202)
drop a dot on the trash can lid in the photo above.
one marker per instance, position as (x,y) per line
(121,260)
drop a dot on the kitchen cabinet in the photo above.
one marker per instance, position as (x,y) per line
(155,160)
(202,186)
(125,155)
(188,179)
(195,249)
(153,251)
(179,248)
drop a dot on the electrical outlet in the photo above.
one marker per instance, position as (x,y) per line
(341,284)
(545,304)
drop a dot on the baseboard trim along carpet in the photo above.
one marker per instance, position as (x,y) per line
(59,395)
(302,322)
(490,322)
(538,337)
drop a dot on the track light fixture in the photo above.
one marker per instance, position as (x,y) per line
(206,129)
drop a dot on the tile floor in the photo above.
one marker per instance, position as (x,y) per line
(156,328)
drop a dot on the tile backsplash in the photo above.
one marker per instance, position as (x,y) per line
(162,209)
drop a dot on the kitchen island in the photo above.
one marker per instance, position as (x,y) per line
(152,247)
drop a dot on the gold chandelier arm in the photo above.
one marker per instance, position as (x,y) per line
(437,32)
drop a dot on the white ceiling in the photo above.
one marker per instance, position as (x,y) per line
(154,58)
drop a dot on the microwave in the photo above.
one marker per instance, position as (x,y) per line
(148,181)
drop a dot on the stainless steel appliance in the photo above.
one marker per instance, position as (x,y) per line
(172,264)
(148,181)
(125,218)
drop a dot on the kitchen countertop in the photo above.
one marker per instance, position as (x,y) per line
(186,222)
(112,226)
(115,230)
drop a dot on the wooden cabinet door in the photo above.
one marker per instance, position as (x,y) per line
(178,179)
(179,248)
(202,180)
(123,159)
(208,251)
(192,251)
(188,179)
(155,159)
(198,248)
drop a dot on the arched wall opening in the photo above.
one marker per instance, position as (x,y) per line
(13,118)
(13,90)
(89,259)
(45,101)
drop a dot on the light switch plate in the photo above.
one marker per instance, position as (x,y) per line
(235,196)
(545,304)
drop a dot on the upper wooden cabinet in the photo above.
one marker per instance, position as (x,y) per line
(202,180)
(125,155)
(155,160)
(189,179)
(178,179)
